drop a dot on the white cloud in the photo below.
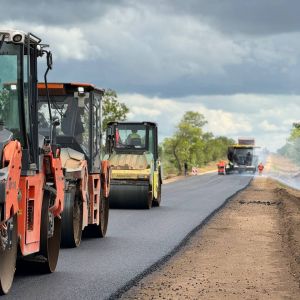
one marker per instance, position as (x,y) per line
(154,47)
(145,46)
(138,112)
(268,127)
(269,121)
(66,43)
(227,123)
(159,47)
(155,50)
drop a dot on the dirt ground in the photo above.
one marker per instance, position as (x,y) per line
(248,250)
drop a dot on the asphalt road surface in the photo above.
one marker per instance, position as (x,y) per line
(136,239)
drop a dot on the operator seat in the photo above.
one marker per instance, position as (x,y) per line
(136,142)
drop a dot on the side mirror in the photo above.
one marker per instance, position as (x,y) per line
(109,140)
(109,132)
(55,148)
(49,60)
(55,123)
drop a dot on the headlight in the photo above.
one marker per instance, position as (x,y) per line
(17,38)
(143,176)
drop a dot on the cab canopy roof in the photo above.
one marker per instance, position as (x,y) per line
(238,146)
(18,36)
(59,88)
(133,123)
(245,142)
(243,146)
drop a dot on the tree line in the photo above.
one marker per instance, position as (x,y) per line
(189,144)
(291,149)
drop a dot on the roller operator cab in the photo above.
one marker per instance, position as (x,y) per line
(132,150)
(77,106)
(31,176)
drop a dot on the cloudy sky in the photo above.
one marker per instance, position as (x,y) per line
(235,61)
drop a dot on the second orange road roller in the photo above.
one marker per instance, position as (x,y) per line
(77,106)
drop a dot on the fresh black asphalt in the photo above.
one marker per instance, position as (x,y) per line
(136,239)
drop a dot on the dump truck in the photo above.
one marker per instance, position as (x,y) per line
(77,106)
(241,157)
(136,175)
(31,174)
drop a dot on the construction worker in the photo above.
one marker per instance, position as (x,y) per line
(185,168)
(221,167)
(260,168)
(134,138)
(118,139)
(248,159)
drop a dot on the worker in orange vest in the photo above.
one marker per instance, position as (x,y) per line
(260,168)
(117,137)
(221,167)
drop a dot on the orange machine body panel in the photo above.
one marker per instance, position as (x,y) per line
(30,206)
(98,183)
(59,181)
(84,189)
(105,174)
(29,216)
(12,157)
(91,187)
(94,197)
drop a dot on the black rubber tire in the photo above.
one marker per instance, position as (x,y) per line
(99,231)
(130,196)
(49,246)
(104,216)
(8,259)
(156,202)
(150,200)
(71,221)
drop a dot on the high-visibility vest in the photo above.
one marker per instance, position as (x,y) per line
(134,136)
(117,136)
(221,163)
(260,167)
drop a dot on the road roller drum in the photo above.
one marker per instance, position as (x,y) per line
(131,195)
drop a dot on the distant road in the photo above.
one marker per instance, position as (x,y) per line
(136,239)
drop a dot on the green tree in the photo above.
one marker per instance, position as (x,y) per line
(295,132)
(192,145)
(112,109)
(170,156)
(292,148)
(185,143)
(193,119)
(4,104)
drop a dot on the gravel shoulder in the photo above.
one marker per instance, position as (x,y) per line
(250,249)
